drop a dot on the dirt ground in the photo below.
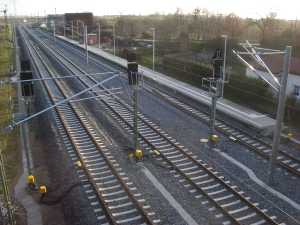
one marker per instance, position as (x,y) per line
(41,148)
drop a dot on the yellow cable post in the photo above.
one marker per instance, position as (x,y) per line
(43,189)
(290,136)
(79,164)
(215,138)
(138,154)
(30,179)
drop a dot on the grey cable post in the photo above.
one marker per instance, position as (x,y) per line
(114,37)
(54,31)
(280,112)
(215,95)
(46,18)
(224,64)
(213,114)
(72,30)
(54,25)
(77,29)
(99,35)
(135,100)
(86,44)
(153,51)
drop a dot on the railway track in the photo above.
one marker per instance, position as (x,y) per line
(231,204)
(114,198)
(285,159)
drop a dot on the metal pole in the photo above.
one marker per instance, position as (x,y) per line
(86,44)
(135,119)
(224,64)
(54,31)
(216,92)
(72,29)
(45,17)
(280,112)
(213,114)
(114,37)
(99,35)
(64,30)
(153,52)
(77,29)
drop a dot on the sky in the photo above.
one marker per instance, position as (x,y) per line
(252,8)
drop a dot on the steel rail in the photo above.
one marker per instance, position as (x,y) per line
(251,147)
(110,216)
(201,165)
(222,126)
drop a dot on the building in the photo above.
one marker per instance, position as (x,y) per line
(86,18)
(58,19)
(63,22)
(275,63)
(92,39)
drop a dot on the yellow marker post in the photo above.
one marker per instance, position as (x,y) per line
(78,163)
(138,154)
(215,138)
(43,189)
(31,179)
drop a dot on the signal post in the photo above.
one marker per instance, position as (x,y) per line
(134,79)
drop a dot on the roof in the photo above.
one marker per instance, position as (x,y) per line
(275,63)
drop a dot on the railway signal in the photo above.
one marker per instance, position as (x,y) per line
(217,62)
(134,80)
(214,86)
(278,86)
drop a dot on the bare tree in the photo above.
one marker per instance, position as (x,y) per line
(267,26)
(233,25)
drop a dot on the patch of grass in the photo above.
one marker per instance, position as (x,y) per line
(8,142)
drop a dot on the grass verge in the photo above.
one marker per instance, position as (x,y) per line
(8,142)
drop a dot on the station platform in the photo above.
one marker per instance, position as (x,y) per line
(256,120)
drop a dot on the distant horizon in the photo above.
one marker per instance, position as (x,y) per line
(256,9)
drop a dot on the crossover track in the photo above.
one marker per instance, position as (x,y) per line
(231,203)
(285,159)
(114,197)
